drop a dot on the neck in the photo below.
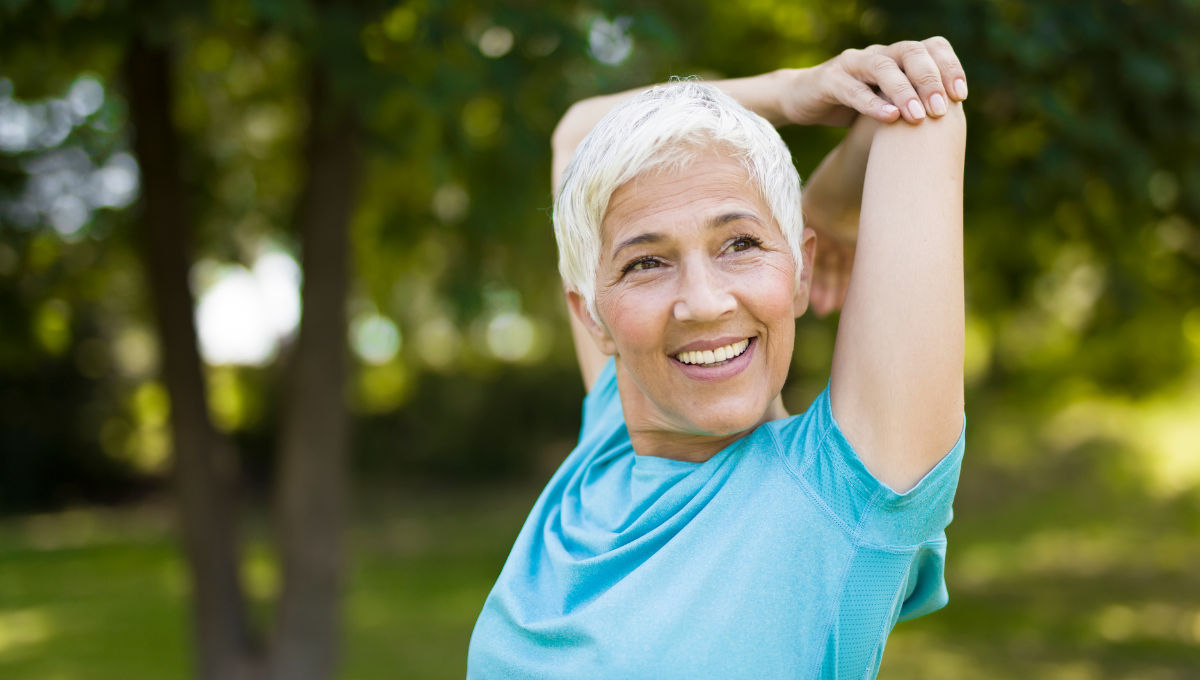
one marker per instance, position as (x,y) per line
(654,434)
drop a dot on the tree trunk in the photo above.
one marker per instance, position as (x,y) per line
(312,481)
(203,461)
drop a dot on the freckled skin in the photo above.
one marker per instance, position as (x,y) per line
(699,280)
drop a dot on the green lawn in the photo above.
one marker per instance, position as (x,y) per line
(100,595)
(1048,585)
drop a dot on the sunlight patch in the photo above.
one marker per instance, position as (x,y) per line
(24,627)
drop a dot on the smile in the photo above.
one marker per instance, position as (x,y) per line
(715,357)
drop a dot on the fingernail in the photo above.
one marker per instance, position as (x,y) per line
(915,109)
(937,104)
(888,109)
(960,88)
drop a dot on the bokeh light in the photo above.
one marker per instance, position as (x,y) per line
(64,184)
(609,42)
(1074,542)
(244,314)
(438,342)
(374,338)
(450,203)
(511,336)
(495,42)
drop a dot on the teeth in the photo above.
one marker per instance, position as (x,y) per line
(719,355)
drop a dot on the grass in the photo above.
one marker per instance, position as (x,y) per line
(102,594)
(1071,577)
(105,609)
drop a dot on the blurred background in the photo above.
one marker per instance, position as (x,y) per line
(163,166)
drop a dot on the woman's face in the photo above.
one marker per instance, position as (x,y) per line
(696,294)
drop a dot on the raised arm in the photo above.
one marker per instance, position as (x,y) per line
(759,94)
(909,80)
(897,383)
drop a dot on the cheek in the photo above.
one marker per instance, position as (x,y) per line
(635,318)
(767,290)
(767,294)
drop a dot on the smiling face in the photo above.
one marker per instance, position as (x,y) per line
(696,291)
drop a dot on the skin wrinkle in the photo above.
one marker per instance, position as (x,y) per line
(679,161)
(702,290)
(653,237)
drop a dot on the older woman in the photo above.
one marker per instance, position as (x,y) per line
(697,530)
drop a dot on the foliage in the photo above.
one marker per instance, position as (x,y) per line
(1082,252)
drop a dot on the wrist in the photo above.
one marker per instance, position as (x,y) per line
(788,86)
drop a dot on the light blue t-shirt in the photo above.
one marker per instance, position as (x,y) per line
(780,557)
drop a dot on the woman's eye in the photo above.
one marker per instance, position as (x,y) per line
(742,244)
(644,264)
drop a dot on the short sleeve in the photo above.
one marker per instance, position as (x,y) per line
(602,405)
(868,509)
(896,570)
(926,588)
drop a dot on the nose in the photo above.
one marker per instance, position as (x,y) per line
(702,297)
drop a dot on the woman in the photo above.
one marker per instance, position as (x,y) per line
(697,530)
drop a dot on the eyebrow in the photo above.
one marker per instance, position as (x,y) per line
(716,222)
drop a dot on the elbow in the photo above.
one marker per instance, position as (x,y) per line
(956,133)
(566,134)
(953,125)
(932,136)
(956,118)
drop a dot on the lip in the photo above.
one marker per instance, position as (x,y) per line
(722,372)
(705,345)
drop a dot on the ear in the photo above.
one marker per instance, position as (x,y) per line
(600,336)
(808,245)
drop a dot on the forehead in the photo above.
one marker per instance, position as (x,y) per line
(680,198)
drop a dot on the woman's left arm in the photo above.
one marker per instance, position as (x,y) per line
(897,381)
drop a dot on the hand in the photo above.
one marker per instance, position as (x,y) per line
(832,262)
(832,199)
(886,82)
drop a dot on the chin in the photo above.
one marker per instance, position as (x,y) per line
(722,421)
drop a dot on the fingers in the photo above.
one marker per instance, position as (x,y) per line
(954,78)
(820,294)
(832,263)
(819,286)
(922,72)
(876,67)
(841,266)
(853,93)
(843,283)
(914,79)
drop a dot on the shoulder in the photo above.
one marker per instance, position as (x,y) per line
(798,438)
(819,456)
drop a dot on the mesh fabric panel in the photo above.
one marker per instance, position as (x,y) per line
(869,605)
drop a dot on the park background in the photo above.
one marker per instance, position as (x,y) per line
(171,171)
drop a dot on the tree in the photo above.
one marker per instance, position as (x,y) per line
(1082,249)
(203,469)
(315,439)
(314,454)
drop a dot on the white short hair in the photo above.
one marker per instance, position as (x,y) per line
(666,126)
